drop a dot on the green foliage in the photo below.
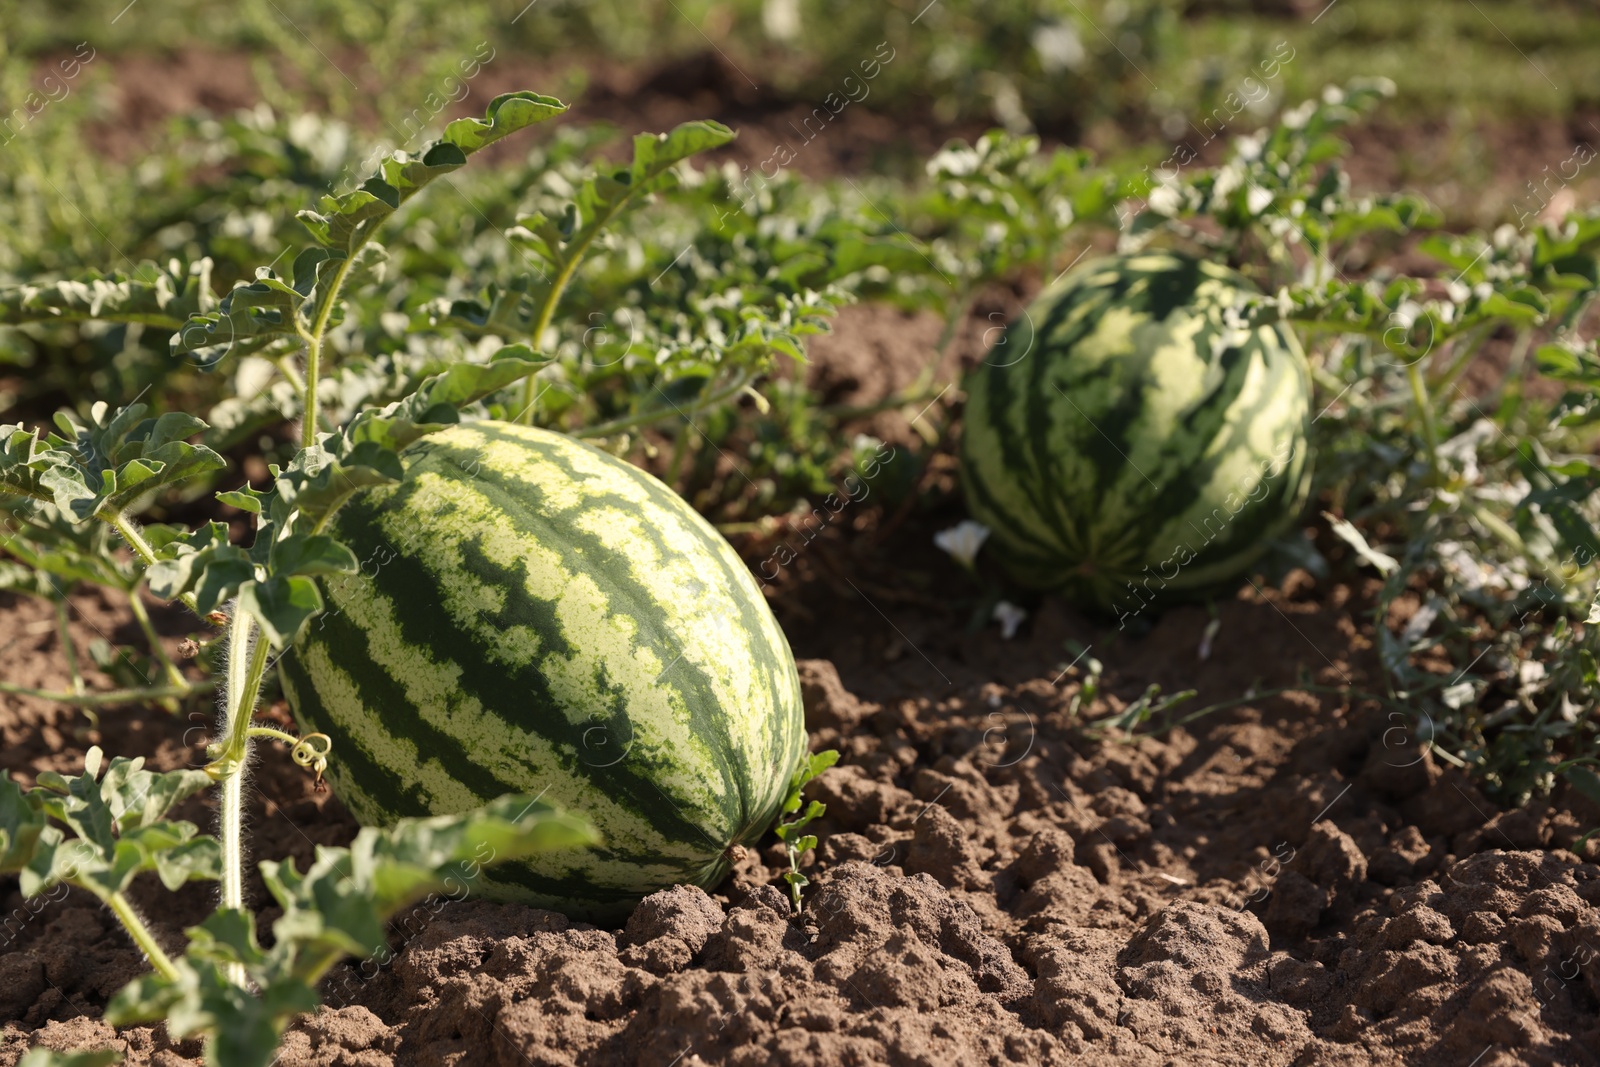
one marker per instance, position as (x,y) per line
(102,469)
(1483,520)
(150,295)
(337,907)
(788,830)
(119,829)
(269,308)
(43,1057)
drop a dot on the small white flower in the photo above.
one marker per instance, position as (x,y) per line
(1059,47)
(1165,200)
(1009,616)
(962,541)
(1257,199)
(781,19)
(1296,117)
(1229,177)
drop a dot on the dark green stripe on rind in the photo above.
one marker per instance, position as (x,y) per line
(1110,446)
(440,616)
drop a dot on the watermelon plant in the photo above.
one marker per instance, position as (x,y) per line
(472,619)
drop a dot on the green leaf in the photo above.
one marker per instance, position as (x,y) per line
(228,935)
(203,563)
(43,1057)
(810,768)
(604,198)
(250,316)
(244,1027)
(312,554)
(162,297)
(138,797)
(340,904)
(344,222)
(281,605)
(318,481)
(118,820)
(245,499)
(21,821)
(105,466)
(438,400)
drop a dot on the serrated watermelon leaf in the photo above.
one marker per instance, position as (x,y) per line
(244,498)
(120,829)
(312,554)
(138,797)
(281,604)
(228,935)
(203,563)
(244,1027)
(252,315)
(102,468)
(162,297)
(437,401)
(340,904)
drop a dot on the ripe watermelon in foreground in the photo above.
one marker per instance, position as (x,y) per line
(536,616)
(1129,442)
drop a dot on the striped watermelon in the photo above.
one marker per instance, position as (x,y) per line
(1128,442)
(536,616)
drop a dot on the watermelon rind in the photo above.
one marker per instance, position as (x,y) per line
(1132,440)
(535,616)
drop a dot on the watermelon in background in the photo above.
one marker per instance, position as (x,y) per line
(536,616)
(1129,441)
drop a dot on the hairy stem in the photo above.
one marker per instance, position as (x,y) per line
(1430,432)
(141,548)
(130,533)
(310,412)
(141,936)
(247,662)
(313,339)
(547,312)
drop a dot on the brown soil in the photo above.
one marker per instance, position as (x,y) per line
(1293,881)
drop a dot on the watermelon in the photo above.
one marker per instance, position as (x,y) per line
(535,616)
(1129,441)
